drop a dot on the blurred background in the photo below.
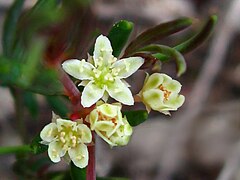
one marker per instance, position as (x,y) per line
(199,141)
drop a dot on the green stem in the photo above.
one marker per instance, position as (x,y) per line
(15,149)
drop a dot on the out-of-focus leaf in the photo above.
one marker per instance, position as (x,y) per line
(47,83)
(29,69)
(37,147)
(112,178)
(77,173)
(157,33)
(149,60)
(10,26)
(119,35)
(194,41)
(30,101)
(180,61)
(58,105)
(199,38)
(136,117)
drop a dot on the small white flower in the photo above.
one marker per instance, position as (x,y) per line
(103,74)
(161,93)
(66,138)
(107,121)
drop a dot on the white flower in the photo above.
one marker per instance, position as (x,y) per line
(66,138)
(161,93)
(107,121)
(103,74)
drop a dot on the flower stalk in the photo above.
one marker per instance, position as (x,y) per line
(91,168)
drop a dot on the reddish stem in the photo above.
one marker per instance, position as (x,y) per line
(91,172)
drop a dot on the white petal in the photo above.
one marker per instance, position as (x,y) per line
(172,86)
(86,135)
(91,94)
(174,102)
(79,155)
(128,66)
(120,92)
(55,151)
(102,49)
(49,132)
(154,98)
(65,123)
(79,69)
(105,138)
(153,81)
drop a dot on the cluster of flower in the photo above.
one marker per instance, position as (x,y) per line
(102,76)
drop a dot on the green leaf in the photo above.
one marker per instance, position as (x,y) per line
(30,101)
(157,33)
(136,117)
(77,173)
(170,52)
(32,61)
(119,35)
(194,41)
(10,26)
(199,38)
(58,105)
(37,147)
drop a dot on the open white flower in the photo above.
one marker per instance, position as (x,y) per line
(66,138)
(107,121)
(161,93)
(103,74)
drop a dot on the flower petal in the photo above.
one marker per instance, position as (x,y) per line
(154,98)
(86,135)
(174,102)
(127,66)
(91,94)
(55,151)
(102,50)
(120,92)
(173,86)
(103,136)
(79,155)
(153,81)
(49,132)
(79,69)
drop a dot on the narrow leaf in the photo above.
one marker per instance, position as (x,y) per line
(157,33)
(199,38)
(119,35)
(136,117)
(170,52)
(10,26)
(77,173)
(58,105)
(30,101)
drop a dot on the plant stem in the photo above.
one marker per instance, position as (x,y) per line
(15,149)
(91,171)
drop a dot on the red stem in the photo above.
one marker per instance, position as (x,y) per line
(91,172)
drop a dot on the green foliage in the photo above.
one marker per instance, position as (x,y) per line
(77,173)
(136,117)
(157,33)
(10,26)
(119,35)
(36,146)
(58,105)
(170,52)
(30,101)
